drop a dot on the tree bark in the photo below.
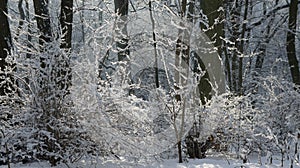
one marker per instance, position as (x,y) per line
(180,160)
(262,45)
(227,56)
(290,40)
(43,23)
(22,17)
(5,48)
(43,20)
(66,20)
(29,36)
(154,45)
(121,8)
(241,49)
(232,61)
(66,23)
(215,16)
(235,21)
(182,55)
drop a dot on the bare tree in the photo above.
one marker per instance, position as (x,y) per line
(154,44)
(236,28)
(66,20)
(5,48)
(181,55)
(43,20)
(215,15)
(121,8)
(290,40)
(44,25)
(262,46)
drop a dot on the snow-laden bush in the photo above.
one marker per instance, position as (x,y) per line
(41,123)
(265,122)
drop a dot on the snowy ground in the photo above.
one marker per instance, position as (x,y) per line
(209,162)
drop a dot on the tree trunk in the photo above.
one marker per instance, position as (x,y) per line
(227,65)
(234,33)
(290,39)
(5,48)
(262,46)
(154,45)
(44,26)
(66,23)
(180,160)
(121,8)
(182,55)
(211,8)
(241,49)
(66,20)
(29,36)
(43,20)
(22,18)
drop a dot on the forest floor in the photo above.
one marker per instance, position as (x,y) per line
(212,161)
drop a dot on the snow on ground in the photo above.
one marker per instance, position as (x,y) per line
(209,162)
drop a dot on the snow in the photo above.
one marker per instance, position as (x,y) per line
(209,162)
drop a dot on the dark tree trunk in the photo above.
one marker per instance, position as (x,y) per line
(290,47)
(43,23)
(211,10)
(180,160)
(154,45)
(22,17)
(262,48)
(227,56)
(66,22)
(234,31)
(29,36)
(121,8)
(43,20)
(5,47)
(241,49)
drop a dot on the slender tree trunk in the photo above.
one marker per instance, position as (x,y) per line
(22,17)
(228,68)
(29,37)
(183,7)
(261,48)
(290,47)
(234,68)
(241,49)
(226,52)
(82,20)
(182,56)
(191,11)
(180,160)
(297,153)
(154,45)
(5,50)
(235,22)
(263,44)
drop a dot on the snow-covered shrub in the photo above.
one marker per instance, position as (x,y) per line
(265,122)
(279,101)
(41,122)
